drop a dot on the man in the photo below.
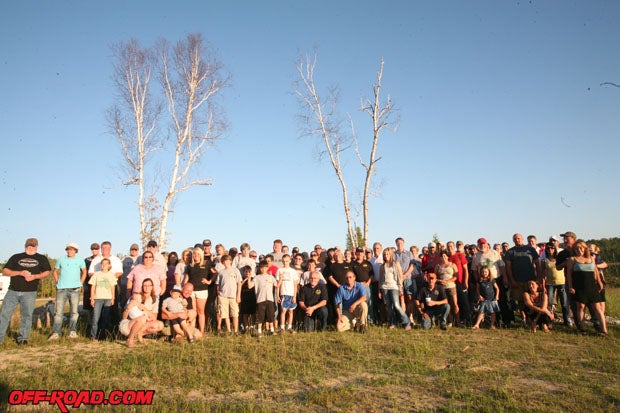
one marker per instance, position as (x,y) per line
(106,252)
(351,307)
(376,261)
(433,303)
(159,259)
(570,239)
(364,274)
(521,267)
(117,270)
(129,263)
(94,250)
(403,257)
(313,303)
(277,253)
(431,259)
(68,283)
(462,280)
(25,270)
(189,313)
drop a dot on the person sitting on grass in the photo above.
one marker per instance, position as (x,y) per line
(350,303)
(433,303)
(174,309)
(488,293)
(263,285)
(536,302)
(137,319)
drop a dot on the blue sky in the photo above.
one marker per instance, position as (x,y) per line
(504,126)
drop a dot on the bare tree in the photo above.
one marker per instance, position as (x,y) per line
(319,119)
(382,116)
(189,81)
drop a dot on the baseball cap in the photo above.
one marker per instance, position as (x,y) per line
(481,241)
(570,234)
(94,246)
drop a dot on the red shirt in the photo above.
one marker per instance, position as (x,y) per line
(459,260)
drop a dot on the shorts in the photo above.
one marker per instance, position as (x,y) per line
(227,307)
(202,294)
(265,312)
(177,321)
(516,293)
(287,302)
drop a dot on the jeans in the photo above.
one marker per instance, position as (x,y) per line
(371,304)
(392,302)
(442,311)
(26,301)
(100,307)
(561,289)
(320,315)
(73,294)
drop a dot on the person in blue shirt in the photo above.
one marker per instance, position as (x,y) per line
(351,308)
(69,285)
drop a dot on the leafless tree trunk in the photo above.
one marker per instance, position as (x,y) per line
(383,116)
(190,81)
(319,119)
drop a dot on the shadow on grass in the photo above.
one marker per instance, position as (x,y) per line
(4,397)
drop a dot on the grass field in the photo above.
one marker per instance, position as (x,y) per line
(384,370)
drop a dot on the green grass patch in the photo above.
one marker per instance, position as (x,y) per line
(384,370)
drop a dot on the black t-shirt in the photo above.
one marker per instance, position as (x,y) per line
(437,294)
(196,273)
(35,263)
(363,272)
(312,295)
(522,260)
(338,271)
(563,256)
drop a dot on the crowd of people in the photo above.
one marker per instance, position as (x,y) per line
(238,291)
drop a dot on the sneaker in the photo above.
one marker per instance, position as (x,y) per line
(22,342)
(54,336)
(443,326)
(72,334)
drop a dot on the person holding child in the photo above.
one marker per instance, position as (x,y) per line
(174,308)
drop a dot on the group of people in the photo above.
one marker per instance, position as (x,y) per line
(284,291)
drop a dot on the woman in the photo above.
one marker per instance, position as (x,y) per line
(555,281)
(391,289)
(173,260)
(447,273)
(536,307)
(601,264)
(149,270)
(585,286)
(348,256)
(179,271)
(150,301)
(145,322)
(199,274)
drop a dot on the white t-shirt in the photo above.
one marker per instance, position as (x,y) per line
(288,278)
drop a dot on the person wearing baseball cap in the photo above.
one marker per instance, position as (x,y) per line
(72,275)
(25,269)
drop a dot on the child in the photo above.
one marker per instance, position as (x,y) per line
(176,305)
(488,290)
(248,299)
(102,296)
(288,284)
(137,319)
(263,285)
(228,289)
